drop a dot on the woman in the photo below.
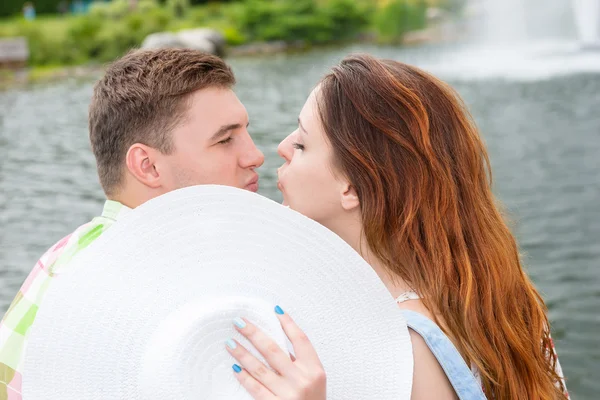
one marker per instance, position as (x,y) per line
(387,157)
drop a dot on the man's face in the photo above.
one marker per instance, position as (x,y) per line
(212,145)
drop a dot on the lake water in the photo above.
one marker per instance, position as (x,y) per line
(537,107)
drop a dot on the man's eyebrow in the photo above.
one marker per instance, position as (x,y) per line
(302,127)
(224,130)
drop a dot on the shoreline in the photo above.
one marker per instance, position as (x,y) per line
(10,79)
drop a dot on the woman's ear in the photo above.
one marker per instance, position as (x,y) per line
(349,197)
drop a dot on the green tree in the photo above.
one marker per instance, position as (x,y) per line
(398,17)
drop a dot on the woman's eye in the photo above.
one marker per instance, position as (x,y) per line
(298,146)
(225,141)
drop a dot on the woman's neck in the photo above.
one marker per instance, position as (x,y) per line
(352,232)
(395,284)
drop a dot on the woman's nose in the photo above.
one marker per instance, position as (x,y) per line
(285,148)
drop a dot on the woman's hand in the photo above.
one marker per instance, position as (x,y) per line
(299,378)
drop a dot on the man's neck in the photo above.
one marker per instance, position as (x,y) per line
(131,200)
(133,194)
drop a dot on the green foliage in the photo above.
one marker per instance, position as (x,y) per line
(292,20)
(104,40)
(210,2)
(112,28)
(233,36)
(13,7)
(110,10)
(347,17)
(398,17)
(44,48)
(179,8)
(82,35)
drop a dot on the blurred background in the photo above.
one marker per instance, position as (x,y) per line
(528,69)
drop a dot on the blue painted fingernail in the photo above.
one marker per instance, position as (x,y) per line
(278,310)
(239,323)
(231,344)
(237,368)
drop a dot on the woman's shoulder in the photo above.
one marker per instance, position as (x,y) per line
(435,356)
(429,379)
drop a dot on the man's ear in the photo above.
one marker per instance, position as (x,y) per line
(349,198)
(140,160)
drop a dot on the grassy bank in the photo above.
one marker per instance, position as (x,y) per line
(110,29)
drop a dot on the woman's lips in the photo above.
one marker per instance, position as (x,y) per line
(280,187)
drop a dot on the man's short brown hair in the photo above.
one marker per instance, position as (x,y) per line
(142,97)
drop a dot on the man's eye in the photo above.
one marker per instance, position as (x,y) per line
(225,141)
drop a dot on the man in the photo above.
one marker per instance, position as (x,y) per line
(159,120)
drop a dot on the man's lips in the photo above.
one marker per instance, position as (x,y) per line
(252,185)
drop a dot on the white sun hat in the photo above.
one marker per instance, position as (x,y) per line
(145,310)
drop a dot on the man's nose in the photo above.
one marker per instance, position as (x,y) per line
(253,158)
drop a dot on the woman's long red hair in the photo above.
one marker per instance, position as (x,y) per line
(406,142)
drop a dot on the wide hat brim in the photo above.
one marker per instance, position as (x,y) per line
(144,311)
